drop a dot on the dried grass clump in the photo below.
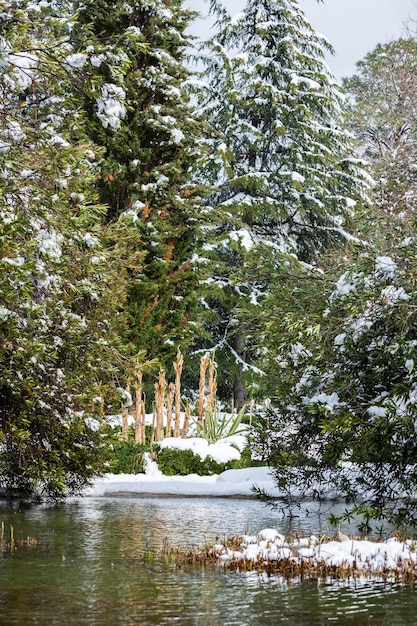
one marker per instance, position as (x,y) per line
(175,558)
(226,556)
(12,544)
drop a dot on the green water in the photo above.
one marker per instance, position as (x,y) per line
(88,569)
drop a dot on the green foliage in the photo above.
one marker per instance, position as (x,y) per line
(58,294)
(341,343)
(127,458)
(216,426)
(151,142)
(282,168)
(173,462)
(382,114)
(346,402)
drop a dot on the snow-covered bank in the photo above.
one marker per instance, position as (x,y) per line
(154,482)
(233,482)
(229,483)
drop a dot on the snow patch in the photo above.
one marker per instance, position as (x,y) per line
(385,267)
(111,106)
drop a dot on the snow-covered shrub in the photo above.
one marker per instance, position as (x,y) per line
(57,289)
(348,387)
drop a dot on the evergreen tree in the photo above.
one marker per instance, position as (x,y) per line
(139,112)
(342,345)
(57,294)
(382,113)
(346,383)
(280,160)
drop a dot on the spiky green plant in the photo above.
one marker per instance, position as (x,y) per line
(217,425)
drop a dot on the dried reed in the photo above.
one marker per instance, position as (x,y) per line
(12,544)
(152,441)
(139,413)
(178,365)
(290,568)
(204,363)
(186,424)
(212,387)
(170,403)
(160,388)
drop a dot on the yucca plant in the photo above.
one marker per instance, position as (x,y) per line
(217,425)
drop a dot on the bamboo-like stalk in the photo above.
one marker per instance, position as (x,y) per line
(186,422)
(204,362)
(160,388)
(143,422)
(153,425)
(178,365)
(138,408)
(251,403)
(212,387)
(170,402)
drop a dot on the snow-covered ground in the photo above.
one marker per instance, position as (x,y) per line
(229,483)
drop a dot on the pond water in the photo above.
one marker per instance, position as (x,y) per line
(89,570)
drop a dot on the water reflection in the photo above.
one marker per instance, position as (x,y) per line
(89,570)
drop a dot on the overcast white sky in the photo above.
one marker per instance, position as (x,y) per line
(353,27)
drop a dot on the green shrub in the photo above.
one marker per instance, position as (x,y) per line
(127,458)
(174,462)
(246,460)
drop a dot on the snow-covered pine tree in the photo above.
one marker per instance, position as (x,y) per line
(342,344)
(280,160)
(58,299)
(139,112)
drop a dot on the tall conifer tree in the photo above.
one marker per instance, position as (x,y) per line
(279,157)
(139,113)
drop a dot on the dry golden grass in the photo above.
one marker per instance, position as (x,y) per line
(12,544)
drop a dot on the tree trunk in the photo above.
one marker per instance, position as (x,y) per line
(239,390)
